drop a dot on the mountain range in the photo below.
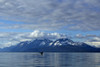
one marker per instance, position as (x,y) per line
(46,45)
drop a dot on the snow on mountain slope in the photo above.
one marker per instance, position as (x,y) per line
(47,42)
(64,41)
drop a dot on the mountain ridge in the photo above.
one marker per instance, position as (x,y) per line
(46,45)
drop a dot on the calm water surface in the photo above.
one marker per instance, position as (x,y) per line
(50,60)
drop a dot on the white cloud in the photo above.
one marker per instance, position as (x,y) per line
(8,39)
(38,34)
(52,14)
(94,39)
(96,44)
(86,37)
(97,38)
(79,36)
(49,15)
(91,39)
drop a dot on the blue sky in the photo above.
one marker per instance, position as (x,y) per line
(77,19)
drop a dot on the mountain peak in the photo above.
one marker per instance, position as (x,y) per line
(62,41)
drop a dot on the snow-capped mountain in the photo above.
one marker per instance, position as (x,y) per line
(66,41)
(46,45)
(63,41)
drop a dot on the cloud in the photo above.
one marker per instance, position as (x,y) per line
(93,40)
(52,14)
(96,44)
(88,37)
(12,38)
(38,34)
(80,36)
(81,15)
(8,39)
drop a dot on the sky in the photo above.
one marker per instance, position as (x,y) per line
(22,20)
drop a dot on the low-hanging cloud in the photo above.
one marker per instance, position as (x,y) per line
(8,39)
(38,34)
(91,39)
(88,37)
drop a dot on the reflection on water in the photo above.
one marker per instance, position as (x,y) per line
(50,60)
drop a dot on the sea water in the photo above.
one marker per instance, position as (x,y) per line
(50,59)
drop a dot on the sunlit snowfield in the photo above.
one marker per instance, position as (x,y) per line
(50,60)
